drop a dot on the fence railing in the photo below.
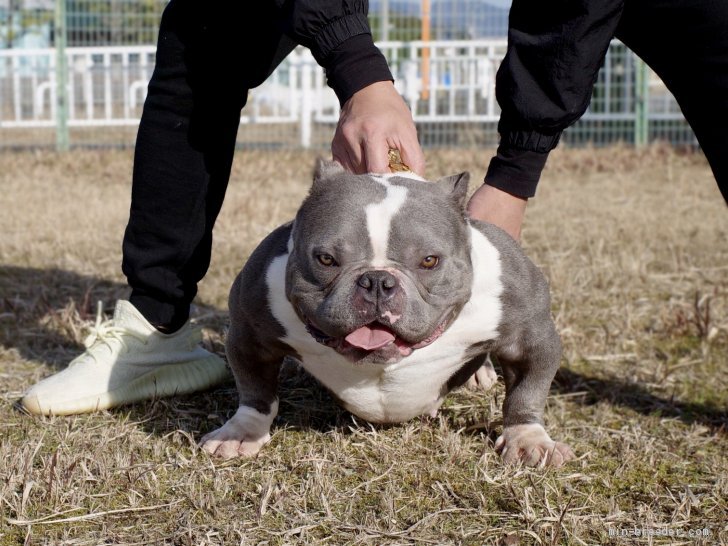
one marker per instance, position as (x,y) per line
(449,85)
(106,86)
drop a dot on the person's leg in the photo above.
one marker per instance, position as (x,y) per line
(686,43)
(207,59)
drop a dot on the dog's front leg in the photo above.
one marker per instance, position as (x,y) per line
(256,373)
(529,367)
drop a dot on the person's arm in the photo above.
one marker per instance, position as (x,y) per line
(374,117)
(555,50)
(544,84)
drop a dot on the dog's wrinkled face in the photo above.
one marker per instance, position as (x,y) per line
(379,265)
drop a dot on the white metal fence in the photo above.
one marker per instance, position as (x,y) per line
(76,71)
(445,83)
(106,86)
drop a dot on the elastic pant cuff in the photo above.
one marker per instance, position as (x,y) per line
(165,317)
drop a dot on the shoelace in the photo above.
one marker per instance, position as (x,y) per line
(104,331)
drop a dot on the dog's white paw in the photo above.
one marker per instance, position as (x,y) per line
(483,379)
(244,434)
(531,445)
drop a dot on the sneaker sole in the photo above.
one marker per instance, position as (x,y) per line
(169,380)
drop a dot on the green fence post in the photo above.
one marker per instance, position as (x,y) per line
(641,122)
(61,77)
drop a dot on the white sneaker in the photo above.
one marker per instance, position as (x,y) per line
(127,360)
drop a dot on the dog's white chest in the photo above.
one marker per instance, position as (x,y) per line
(413,386)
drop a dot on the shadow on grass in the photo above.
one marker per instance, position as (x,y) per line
(28,297)
(304,404)
(35,305)
(636,397)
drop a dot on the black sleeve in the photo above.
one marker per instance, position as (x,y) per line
(544,84)
(339,37)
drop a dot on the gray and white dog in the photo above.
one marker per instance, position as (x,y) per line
(390,297)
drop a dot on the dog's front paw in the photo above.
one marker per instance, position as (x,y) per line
(244,434)
(531,445)
(483,379)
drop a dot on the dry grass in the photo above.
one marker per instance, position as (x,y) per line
(635,247)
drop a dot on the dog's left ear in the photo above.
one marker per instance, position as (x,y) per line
(325,168)
(457,186)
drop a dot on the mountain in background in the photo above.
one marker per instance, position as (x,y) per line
(450,19)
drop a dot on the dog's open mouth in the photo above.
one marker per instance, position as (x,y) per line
(371,337)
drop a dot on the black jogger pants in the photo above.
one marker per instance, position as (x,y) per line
(209,55)
(686,43)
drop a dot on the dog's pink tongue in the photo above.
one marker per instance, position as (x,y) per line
(370,337)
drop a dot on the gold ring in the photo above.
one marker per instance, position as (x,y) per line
(395,162)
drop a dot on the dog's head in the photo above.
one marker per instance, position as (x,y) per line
(379,264)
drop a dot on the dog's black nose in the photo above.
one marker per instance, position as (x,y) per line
(377,285)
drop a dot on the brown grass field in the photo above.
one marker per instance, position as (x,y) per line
(635,245)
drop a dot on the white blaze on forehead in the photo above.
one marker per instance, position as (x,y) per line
(399,174)
(379,219)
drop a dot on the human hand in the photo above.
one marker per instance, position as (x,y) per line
(374,120)
(489,204)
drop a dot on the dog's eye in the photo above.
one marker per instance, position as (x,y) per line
(326,260)
(429,262)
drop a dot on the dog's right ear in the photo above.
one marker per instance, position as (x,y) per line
(326,168)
